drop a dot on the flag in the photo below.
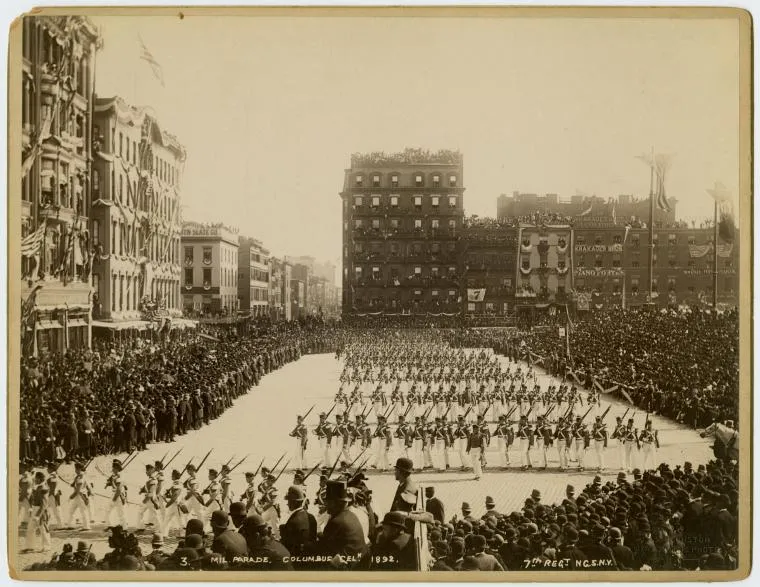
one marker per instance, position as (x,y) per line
(146,55)
(726,226)
(661,165)
(614,217)
(476,295)
(627,230)
(587,211)
(30,245)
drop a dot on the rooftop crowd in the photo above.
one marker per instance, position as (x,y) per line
(663,519)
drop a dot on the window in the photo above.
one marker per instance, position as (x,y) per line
(635,262)
(394,201)
(616,260)
(434,271)
(598,239)
(207,255)
(580,239)
(394,181)
(452,201)
(672,240)
(376,273)
(617,239)
(656,239)
(434,293)
(418,201)
(526,263)
(671,284)
(506,282)
(581,261)
(671,260)
(598,261)
(435,248)
(635,285)
(436,180)
(418,271)
(418,181)
(189,255)
(358,223)
(452,180)
(489,306)
(636,241)
(691,262)
(692,240)
(452,293)
(435,200)
(394,249)
(394,223)
(452,224)
(375,201)
(359,180)
(376,181)
(206,277)
(434,223)
(470,306)
(188,276)
(358,272)
(417,223)
(654,284)
(376,223)
(358,201)
(452,270)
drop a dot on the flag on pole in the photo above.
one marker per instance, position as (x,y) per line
(146,55)
(661,166)
(30,245)
(587,211)
(726,226)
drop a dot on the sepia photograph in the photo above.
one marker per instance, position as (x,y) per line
(356,294)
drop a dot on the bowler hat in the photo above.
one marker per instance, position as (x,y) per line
(295,493)
(405,465)
(219,519)
(397,519)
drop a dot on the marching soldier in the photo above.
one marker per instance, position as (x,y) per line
(175,510)
(159,477)
(267,506)
(599,433)
(461,436)
(150,502)
(404,436)
(119,497)
(37,531)
(300,433)
(525,436)
(54,495)
(224,483)
(324,433)
(619,434)
(25,485)
(341,434)
(442,441)
(581,438)
(194,500)
(214,492)
(543,440)
(384,442)
(630,438)
(249,495)
(564,440)
(648,440)
(80,499)
(476,443)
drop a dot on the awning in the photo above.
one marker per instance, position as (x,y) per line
(125,325)
(48,324)
(77,322)
(183,323)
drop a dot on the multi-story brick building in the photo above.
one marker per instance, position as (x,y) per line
(58,69)
(402,219)
(136,216)
(210,268)
(489,253)
(299,290)
(544,266)
(279,289)
(253,277)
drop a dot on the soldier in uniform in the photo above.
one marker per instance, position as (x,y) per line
(54,495)
(194,500)
(80,499)
(249,495)
(599,434)
(544,439)
(648,441)
(384,442)
(119,498)
(37,531)
(25,484)
(580,436)
(442,441)
(174,509)
(476,444)
(404,436)
(341,434)
(150,501)
(619,434)
(502,433)
(630,438)
(324,435)
(301,435)
(461,435)
(267,506)
(525,436)
(564,439)
(225,486)
(214,492)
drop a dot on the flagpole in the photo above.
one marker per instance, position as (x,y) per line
(651,226)
(715,258)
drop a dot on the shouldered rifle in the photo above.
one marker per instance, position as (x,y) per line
(198,468)
(447,412)
(307,413)
(586,414)
(258,468)
(409,407)
(335,464)
(171,459)
(330,412)
(358,457)
(607,411)
(240,462)
(313,469)
(279,461)
(281,472)
(622,418)
(467,412)
(228,462)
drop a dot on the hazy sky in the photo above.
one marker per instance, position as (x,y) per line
(270,109)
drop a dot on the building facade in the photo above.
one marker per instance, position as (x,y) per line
(210,269)
(136,219)
(489,253)
(402,220)
(279,289)
(299,291)
(544,265)
(58,69)
(253,277)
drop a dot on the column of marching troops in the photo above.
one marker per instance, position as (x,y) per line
(433,403)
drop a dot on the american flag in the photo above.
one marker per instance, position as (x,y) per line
(146,55)
(30,245)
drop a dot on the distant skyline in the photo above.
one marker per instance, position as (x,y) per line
(270,109)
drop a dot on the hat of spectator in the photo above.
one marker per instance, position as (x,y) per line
(570,489)
(82,546)
(465,525)
(490,501)
(294,494)
(523,543)
(193,541)
(466,507)
(194,526)
(404,465)
(395,519)
(637,473)
(643,525)
(129,563)
(478,542)
(237,509)
(535,495)
(336,490)
(713,562)
(441,548)
(532,528)
(219,519)
(570,534)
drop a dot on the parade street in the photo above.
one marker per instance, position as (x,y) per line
(257,427)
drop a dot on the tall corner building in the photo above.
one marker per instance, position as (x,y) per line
(402,221)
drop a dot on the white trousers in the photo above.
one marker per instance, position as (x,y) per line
(300,460)
(628,457)
(461,444)
(525,452)
(476,454)
(562,453)
(153,517)
(503,451)
(174,519)
(599,450)
(24,509)
(324,449)
(540,453)
(79,507)
(381,451)
(37,536)
(647,448)
(121,513)
(580,451)
(443,452)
